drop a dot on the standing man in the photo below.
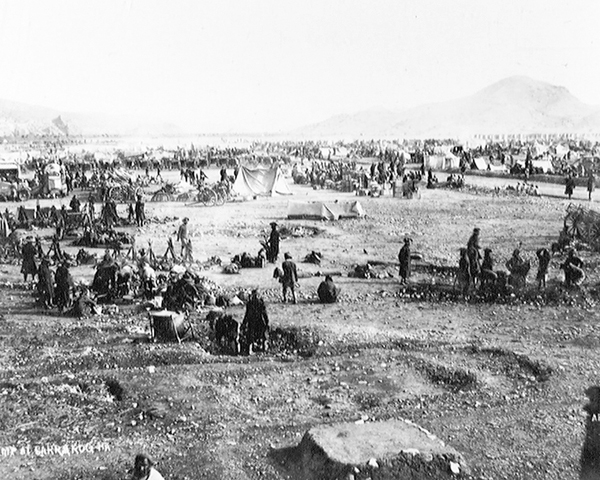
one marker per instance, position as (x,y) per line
(273,244)
(569,185)
(188,255)
(474,254)
(256,322)
(28,252)
(91,209)
(290,277)
(60,224)
(45,286)
(544,257)
(405,262)
(591,185)
(64,286)
(140,214)
(75,204)
(183,234)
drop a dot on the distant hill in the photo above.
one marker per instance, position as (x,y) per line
(515,105)
(20,119)
(511,106)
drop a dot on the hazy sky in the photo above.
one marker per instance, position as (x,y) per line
(271,65)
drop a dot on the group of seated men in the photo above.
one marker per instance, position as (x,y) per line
(475,271)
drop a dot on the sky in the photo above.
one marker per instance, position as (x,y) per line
(274,65)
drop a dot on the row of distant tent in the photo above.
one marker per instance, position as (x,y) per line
(450,162)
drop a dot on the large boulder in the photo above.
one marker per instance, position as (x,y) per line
(386,450)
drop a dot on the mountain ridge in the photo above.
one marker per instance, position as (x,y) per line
(513,105)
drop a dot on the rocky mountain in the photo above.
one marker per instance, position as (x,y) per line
(511,106)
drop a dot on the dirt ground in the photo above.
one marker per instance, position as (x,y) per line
(503,383)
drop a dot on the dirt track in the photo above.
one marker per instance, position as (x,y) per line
(502,383)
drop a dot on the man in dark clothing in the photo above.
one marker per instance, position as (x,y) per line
(64,286)
(223,174)
(518,268)
(75,204)
(574,274)
(569,185)
(91,208)
(327,291)
(110,216)
(273,244)
(290,277)
(29,267)
(60,224)
(45,286)
(474,253)
(140,214)
(591,185)
(405,261)
(488,276)
(105,278)
(256,322)
(464,272)
(373,170)
(543,256)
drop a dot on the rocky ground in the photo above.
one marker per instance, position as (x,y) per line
(503,383)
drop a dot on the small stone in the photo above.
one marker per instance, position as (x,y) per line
(373,463)
(454,468)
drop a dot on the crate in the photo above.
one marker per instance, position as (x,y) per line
(168,326)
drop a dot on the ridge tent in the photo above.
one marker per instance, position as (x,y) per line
(480,163)
(447,161)
(267,182)
(324,211)
(497,168)
(539,149)
(545,165)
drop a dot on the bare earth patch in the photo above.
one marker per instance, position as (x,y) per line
(501,382)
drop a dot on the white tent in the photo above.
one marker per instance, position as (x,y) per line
(545,165)
(442,162)
(539,149)
(561,150)
(324,211)
(480,163)
(260,182)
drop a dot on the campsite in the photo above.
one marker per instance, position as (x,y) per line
(265,240)
(82,395)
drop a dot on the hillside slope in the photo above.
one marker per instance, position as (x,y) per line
(510,106)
